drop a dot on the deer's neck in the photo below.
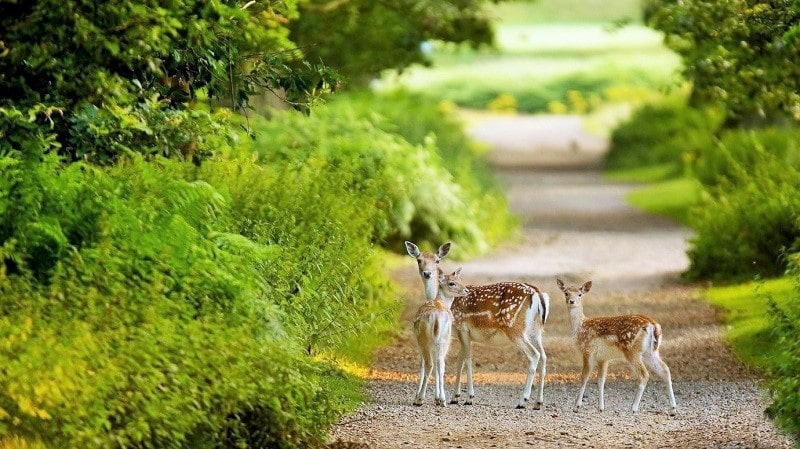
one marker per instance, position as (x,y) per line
(447,301)
(431,289)
(576,318)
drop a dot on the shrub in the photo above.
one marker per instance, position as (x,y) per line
(741,148)
(504,103)
(170,312)
(785,376)
(421,122)
(744,227)
(420,198)
(661,133)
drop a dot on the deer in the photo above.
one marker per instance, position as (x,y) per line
(635,338)
(428,264)
(513,309)
(433,332)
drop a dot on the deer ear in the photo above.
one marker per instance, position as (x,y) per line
(586,286)
(560,284)
(457,273)
(442,277)
(444,250)
(413,250)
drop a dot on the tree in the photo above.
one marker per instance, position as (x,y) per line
(119,76)
(361,38)
(744,54)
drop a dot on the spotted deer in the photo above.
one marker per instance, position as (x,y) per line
(428,264)
(515,310)
(635,338)
(433,332)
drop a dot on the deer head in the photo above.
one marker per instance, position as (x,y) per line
(428,262)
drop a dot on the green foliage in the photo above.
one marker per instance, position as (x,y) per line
(164,305)
(752,180)
(745,221)
(370,36)
(733,49)
(762,327)
(320,214)
(419,198)
(530,97)
(667,132)
(785,369)
(744,227)
(739,149)
(549,11)
(418,121)
(125,75)
(538,64)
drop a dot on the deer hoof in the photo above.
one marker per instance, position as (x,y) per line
(672,411)
(439,402)
(520,406)
(538,405)
(454,401)
(418,403)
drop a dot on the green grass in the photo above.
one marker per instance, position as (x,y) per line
(543,50)
(671,198)
(747,318)
(546,11)
(646,174)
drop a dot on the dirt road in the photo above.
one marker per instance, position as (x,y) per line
(576,225)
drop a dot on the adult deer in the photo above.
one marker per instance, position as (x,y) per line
(433,332)
(636,338)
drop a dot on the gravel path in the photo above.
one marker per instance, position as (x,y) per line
(576,225)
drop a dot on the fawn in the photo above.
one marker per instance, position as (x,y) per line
(636,338)
(433,331)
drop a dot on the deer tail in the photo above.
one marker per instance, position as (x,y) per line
(544,304)
(656,329)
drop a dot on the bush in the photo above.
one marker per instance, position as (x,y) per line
(421,200)
(740,149)
(745,227)
(748,220)
(143,306)
(419,121)
(785,377)
(665,133)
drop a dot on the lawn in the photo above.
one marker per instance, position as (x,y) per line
(747,318)
(544,50)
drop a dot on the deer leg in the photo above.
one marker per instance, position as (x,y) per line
(644,376)
(524,345)
(468,362)
(537,339)
(462,354)
(601,383)
(423,381)
(661,369)
(441,353)
(437,380)
(587,370)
